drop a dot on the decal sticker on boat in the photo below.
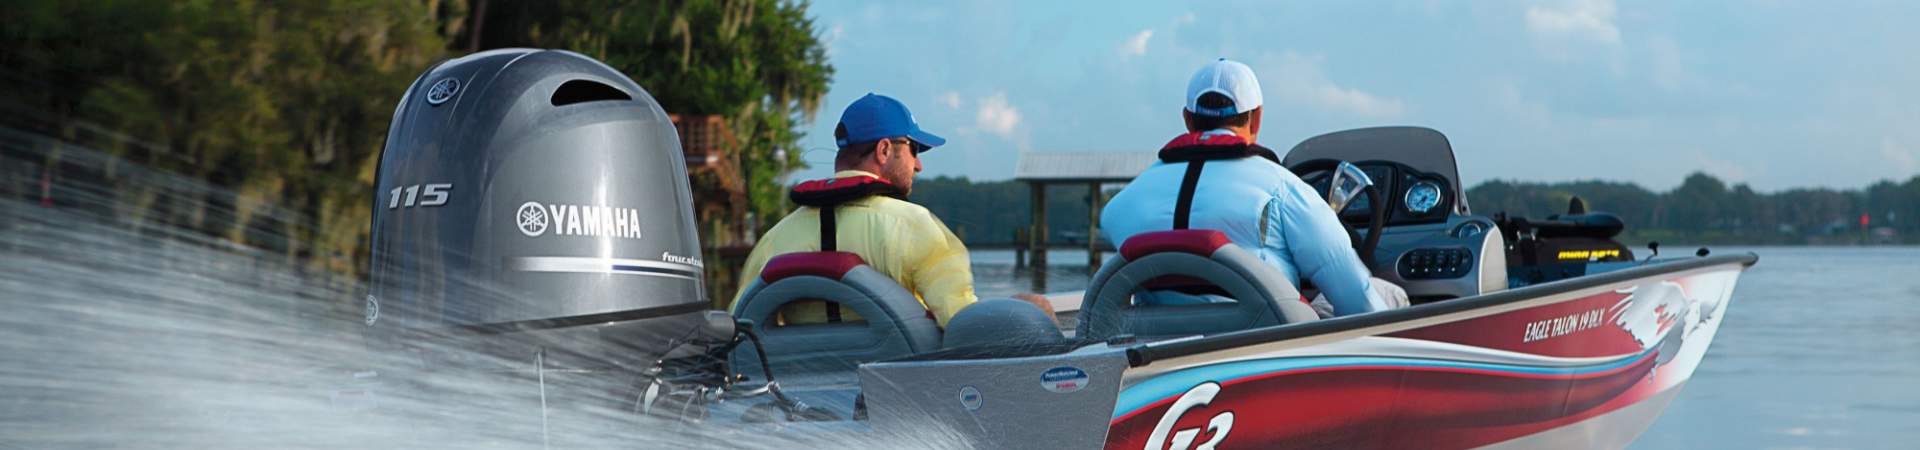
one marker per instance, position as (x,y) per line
(1199,396)
(1563,325)
(443,90)
(688,260)
(373,310)
(970,398)
(603,265)
(1063,379)
(1648,311)
(532,219)
(1468,382)
(536,219)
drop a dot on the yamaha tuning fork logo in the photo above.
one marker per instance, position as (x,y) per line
(532,219)
(443,90)
(536,219)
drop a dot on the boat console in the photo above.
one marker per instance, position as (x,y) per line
(1429,241)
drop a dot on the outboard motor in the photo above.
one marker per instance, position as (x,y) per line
(534,201)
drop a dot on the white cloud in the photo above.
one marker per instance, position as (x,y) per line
(997,116)
(951,99)
(1518,106)
(1669,70)
(1585,19)
(1731,171)
(832,36)
(1356,101)
(1136,45)
(1902,157)
(1299,79)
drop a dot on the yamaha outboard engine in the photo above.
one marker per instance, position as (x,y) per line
(534,202)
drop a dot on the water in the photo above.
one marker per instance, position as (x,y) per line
(1819,350)
(113,338)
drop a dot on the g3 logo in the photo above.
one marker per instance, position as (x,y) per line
(1199,396)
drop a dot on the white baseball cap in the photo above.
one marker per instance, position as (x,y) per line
(1226,77)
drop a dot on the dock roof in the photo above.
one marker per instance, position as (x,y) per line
(1091,166)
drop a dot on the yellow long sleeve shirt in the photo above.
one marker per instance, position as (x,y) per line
(898,238)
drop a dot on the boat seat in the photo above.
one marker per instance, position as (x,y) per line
(1000,321)
(1261,295)
(892,323)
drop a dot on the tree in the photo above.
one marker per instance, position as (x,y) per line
(285,103)
(760,63)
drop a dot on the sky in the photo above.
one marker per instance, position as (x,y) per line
(1774,94)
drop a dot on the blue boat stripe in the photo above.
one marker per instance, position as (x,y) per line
(1172,384)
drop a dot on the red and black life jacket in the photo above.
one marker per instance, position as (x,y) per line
(1195,149)
(827,195)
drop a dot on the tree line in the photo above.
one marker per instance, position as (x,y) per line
(1702,210)
(288,103)
(1705,210)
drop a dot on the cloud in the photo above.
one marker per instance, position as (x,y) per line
(951,99)
(996,116)
(1732,172)
(1356,101)
(1507,97)
(1668,68)
(1584,19)
(832,36)
(1186,18)
(1902,158)
(1299,79)
(1136,45)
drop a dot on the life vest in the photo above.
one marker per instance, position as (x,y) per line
(1196,149)
(827,195)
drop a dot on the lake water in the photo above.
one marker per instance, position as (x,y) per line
(117,339)
(1820,349)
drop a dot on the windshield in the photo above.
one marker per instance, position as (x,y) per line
(1422,149)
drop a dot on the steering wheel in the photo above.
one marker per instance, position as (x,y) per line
(1376,220)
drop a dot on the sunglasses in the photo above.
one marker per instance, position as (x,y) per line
(916,146)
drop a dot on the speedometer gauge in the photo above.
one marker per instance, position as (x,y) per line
(1423,197)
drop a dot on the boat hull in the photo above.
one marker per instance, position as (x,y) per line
(1589,367)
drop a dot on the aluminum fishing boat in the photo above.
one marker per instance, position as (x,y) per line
(534,221)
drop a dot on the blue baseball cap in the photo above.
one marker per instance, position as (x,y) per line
(874,117)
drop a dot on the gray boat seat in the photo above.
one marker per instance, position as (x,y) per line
(1000,321)
(892,323)
(1261,296)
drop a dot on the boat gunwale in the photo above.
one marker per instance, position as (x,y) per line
(1145,354)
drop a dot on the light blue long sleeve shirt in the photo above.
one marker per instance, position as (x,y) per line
(1263,208)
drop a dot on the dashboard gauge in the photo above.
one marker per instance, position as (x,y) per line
(1423,197)
(1469,229)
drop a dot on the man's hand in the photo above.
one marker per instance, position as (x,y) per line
(1040,301)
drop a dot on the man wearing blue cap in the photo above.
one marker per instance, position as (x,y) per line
(880,146)
(1244,193)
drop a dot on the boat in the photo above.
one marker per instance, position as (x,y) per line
(533,206)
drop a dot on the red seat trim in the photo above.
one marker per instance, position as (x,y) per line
(1198,242)
(830,265)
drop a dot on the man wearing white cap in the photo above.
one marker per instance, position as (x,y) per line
(1245,193)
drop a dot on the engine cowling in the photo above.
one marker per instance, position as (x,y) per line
(534,199)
